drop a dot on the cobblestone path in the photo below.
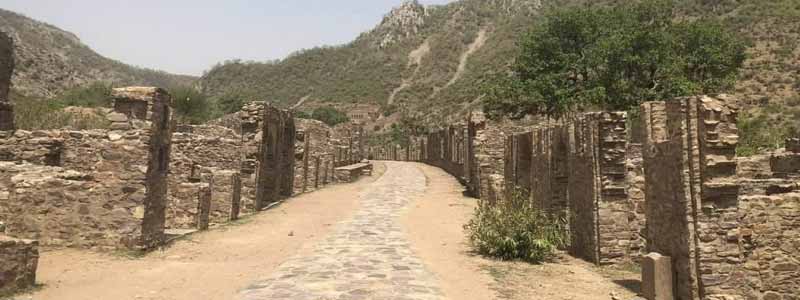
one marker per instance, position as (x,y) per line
(367,257)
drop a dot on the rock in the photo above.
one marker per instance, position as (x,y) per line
(114,136)
(120,126)
(117,117)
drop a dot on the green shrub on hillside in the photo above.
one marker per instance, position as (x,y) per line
(36,114)
(329,115)
(615,58)
(191,106)
(515,230)
(97,94)
(758,134)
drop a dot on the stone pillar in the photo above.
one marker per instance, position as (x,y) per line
(20,259)
(159,149)
(236,196)
(203,207)
(691,198)
(6,71)
(269,172)
(316,172)
(657,277)
(287,151)
(306,154)
(325,167)
(793,145)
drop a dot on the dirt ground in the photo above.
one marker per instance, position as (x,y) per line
(212,265)
(219,263)
(435,226)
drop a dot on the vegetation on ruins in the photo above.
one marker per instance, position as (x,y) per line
(329,115)
(191,105)
(515,230)
(37,114)
(614,58)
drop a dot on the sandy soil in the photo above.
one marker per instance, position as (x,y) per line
(435,226)
(211,265)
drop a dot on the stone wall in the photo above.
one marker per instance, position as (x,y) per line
(6,71)
(20,259)
(729,236)
(89,189)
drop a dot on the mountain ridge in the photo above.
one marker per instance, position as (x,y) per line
(50,61)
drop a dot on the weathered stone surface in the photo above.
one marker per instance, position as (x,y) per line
(657,277)
(6,71)
(366,257)
(19,259)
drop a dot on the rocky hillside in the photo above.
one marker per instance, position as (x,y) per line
(416,56)
(432,60)
(50,60)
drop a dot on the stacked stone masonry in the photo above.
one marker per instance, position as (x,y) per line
(6,70)
(729,224)
(19,261)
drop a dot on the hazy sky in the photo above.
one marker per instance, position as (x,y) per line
(189,36)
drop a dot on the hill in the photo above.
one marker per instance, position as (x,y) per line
(433,60)
(50,61)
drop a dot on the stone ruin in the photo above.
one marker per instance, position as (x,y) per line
(6,70)
(726,226)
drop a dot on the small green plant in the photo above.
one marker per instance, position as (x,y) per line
(36,114)
(758,134)
(515,230)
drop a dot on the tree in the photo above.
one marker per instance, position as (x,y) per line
(191,106)
(614,58)
(329,115)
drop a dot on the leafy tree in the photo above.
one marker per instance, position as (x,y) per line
(614,58)
(191,106)
(329,115)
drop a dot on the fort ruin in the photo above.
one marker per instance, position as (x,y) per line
(727,224)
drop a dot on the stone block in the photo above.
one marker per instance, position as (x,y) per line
(203,207)
(18,262)
(657,277)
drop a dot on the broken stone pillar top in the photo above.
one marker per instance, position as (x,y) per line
(6,65)
(137,102)
(793,145)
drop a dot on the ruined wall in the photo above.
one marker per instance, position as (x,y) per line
(6,70)
(729,228)
(96,189)
(20,259)
(202,155)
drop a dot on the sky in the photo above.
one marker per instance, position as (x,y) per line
(190,36)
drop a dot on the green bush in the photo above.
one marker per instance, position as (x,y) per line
(329,115)
(614,58)
(514,230)
(758,134)
(97,94)
(191,106)
(36,114)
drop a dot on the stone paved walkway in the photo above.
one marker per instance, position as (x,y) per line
(367,257)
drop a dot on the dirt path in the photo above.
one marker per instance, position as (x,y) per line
(435,226)
(212,265)
(396,235)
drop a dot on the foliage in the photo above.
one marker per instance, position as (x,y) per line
(757,135)
(329,115)
(614,58)
(514,229)
(191,105)
(228,103)
(37,114)
(97,94)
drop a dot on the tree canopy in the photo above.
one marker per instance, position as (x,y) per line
(614,57)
